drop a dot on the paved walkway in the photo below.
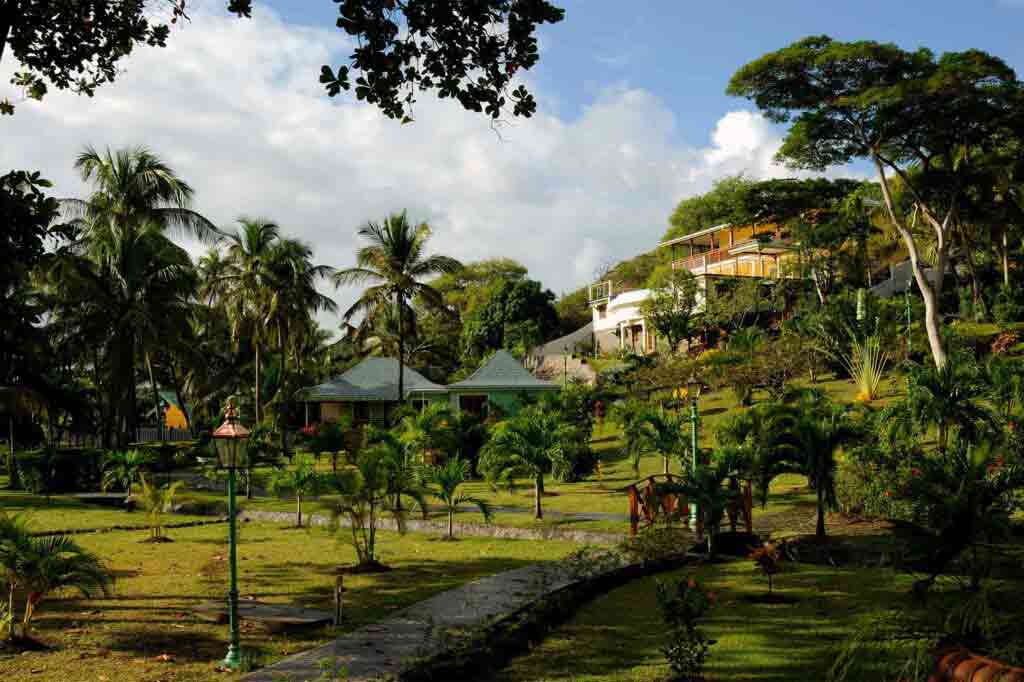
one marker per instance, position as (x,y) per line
(422,630)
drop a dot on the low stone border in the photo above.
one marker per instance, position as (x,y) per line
(460,632)
(110,529)
(464,529)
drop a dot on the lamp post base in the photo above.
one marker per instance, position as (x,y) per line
(233,661)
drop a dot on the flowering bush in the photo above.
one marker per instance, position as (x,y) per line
(683,604)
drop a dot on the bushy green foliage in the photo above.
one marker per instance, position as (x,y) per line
(683,604)
(65,470)
(1009,305)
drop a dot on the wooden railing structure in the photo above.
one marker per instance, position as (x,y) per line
(648,505)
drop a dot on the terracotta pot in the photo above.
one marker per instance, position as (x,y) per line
(960,665)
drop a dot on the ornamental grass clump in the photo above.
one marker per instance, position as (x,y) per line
(866,363)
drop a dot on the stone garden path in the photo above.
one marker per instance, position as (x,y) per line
(422,630)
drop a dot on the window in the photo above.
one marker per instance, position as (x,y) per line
(361,412)
(473,404)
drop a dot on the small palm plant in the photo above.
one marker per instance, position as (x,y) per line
(302,479)
(631,416)
(39,566)
(444,482)
(121,468)
(156,500)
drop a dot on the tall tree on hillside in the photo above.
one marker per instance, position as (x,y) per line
(393,264)
(920,120)
(516,316)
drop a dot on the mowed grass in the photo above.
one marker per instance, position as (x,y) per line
(119,639)
(617,637)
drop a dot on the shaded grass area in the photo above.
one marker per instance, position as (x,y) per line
(617,637)
(119,639)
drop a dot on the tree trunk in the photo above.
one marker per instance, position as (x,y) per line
(401,349)
(5,29)
(1006,260)
(13,480)
(538,491)
(929,294)
(665,464)
(257,384)
(283,419)
(451,523)
(156,398)
(298,508)
(819,531)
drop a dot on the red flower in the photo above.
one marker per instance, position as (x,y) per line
(915,471)
(888,493)
(691,583)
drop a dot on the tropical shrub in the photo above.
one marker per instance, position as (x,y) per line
(327,437)
(768,559)
(156,500)
(866,362)
(871,481)
(683,603)
(300,479)
(122,468)
(38,566)
(66,470)
(1009,305)
(443,483)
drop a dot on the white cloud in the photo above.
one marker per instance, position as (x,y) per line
(234,106)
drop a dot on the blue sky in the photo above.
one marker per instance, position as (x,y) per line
(684,51)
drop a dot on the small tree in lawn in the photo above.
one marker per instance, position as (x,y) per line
(526,445)
(428,431)
(768,558)
(121,468)
(444,482)
(155,500)
(631,416)
(667,434)
(364,492)
(302,479)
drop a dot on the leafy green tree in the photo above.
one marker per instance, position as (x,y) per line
(1005,379)
(711,208)
(444,482)
(468,51)
(517,316)
(864,100)
(527,445)
(301,479)
(123,467)
(671,305)
(393,264)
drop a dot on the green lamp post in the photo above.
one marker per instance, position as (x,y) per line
(232,442)
(693,388)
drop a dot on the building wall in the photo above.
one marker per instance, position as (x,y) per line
(175,418)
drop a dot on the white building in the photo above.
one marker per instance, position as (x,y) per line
(618,323)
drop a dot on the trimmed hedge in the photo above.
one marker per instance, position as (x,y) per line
(66,470)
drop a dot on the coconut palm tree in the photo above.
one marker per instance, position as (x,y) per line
(393,265)
(527,445)
(135,276)
(121,468)
(444,482)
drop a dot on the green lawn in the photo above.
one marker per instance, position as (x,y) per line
(118,639)
(616,637)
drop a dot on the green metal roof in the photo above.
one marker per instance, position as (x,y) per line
(373,379)
(502,371)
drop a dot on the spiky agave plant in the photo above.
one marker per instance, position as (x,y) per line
(866,363)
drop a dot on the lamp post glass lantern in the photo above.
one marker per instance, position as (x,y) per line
(231,440)
(693,389)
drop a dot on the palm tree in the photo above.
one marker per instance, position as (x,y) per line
(156,500)
(665,433)
(39,566)
(445,481)
(708,487)
(631,415)
(136,275)
(121,468)
(302,479)
(428,431)
(393,265)
(952,396)
(404,470)
(528,445)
